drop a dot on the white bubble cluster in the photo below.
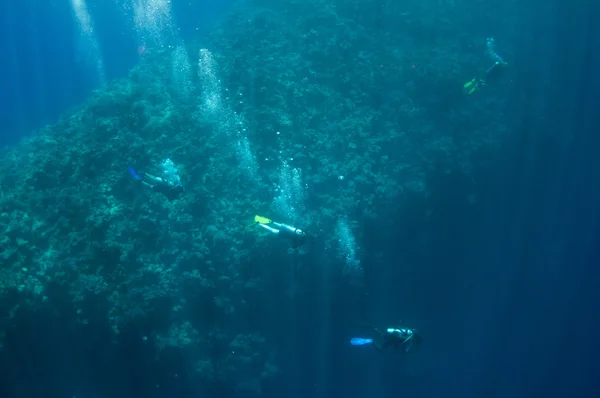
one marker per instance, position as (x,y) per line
(210,85)
(347,251)
(246,158)
(155,29)
(170,173)
(153,21)
(83,16)
(182,71)
(290,191)
(228,123)
(89,49)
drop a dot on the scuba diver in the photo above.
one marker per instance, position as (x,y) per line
(403,338)
(294,235)
(168,182)
(493,73)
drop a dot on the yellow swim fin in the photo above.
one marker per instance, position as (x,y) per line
(260,220)
(471,86)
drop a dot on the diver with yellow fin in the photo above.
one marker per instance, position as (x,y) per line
(493,73)
(295,236)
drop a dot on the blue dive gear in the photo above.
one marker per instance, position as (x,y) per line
(133,173)
(360,341)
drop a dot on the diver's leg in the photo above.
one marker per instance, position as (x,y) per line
(378,339)
(270,229)
(378,332)
(377,344)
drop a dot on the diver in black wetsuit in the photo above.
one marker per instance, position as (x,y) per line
(403,338)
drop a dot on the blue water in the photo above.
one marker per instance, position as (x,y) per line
(503,286)
(43,73)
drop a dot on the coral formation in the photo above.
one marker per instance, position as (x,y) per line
(299,109)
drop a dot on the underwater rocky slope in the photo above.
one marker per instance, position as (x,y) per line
(300,111)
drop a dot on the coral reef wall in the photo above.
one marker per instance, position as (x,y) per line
(317,114)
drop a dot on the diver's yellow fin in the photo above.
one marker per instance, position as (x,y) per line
(471,86)
(260,220)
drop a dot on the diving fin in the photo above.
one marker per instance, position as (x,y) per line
(471,86)
(260,220)
(360,341)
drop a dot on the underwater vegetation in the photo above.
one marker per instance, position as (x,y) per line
(134,207)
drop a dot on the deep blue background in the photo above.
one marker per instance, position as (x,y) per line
(505,291)
(41,73)
(508,294)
